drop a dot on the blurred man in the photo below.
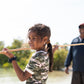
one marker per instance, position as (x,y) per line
(76,55)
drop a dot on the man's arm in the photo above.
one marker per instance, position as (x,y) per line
(68,60)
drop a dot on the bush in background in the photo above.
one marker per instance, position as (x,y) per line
(59,58)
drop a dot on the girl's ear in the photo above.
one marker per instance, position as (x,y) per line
(45,39)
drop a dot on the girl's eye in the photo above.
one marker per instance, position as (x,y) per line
(34,38)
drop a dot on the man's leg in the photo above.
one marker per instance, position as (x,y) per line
(76,78)
(82,77)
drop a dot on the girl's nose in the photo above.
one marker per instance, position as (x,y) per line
(30,41)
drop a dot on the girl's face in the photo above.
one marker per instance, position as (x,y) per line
(35,41)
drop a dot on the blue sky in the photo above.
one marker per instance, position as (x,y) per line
(62,16)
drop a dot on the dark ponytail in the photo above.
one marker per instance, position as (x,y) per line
(49,47)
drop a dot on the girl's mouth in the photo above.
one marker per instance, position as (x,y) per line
(30,45)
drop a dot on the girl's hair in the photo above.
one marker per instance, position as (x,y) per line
(43,30)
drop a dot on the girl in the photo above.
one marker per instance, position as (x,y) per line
(36,71)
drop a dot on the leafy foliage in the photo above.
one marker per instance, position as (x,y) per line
(22,56)
(59,58)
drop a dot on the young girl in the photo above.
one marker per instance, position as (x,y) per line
(36,71)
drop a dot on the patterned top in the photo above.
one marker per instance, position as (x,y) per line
(38,67)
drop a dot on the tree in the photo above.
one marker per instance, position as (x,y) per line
(66,48)
(59,58)
(3,58)
(22,56)
(1,45)
(16,44)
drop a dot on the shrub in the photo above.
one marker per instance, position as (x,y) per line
(59,58)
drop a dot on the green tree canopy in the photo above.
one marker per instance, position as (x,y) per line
(22,56)
(3,58)
(16,44)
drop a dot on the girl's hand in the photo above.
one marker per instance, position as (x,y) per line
(67,70)
(55,48)
(7,53)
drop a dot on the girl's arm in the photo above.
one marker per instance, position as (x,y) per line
(22,75)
